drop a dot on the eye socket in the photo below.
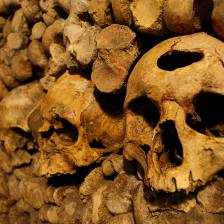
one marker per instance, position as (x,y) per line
(172,60)
(209,114)
(67,134)
(146,108)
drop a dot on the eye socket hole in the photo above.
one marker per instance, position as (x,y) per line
(209,110)
(194,121)
(69,132)
(146,108)
(172,60)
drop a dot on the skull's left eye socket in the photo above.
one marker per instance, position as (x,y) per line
(146,108)
(209,110)
(67,132)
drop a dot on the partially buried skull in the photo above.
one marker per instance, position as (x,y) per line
(175,113)
(71,127)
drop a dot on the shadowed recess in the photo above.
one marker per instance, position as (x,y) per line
(172,60)
(96,144)
(61,12)
(68,133)
(111,103)
(145,148)
(172,145)
(147,109)
(210,110)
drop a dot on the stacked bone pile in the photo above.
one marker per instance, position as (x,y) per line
(92,131)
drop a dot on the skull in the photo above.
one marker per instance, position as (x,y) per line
(71,127)
(175,116)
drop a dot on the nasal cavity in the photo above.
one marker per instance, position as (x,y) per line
(172,60)
(172,145)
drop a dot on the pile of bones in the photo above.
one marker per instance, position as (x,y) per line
(111,111)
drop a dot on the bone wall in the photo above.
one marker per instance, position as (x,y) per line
(111,111)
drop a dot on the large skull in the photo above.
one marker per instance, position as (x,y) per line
(72,128)
(175,115)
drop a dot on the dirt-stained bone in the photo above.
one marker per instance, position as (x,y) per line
(148,16)
(218,18)
(108,189)
(21,66)
(182,17)
(168,86)
(3,90)
(117,50)
(81,43)
(122,12)
(52,33)
(38,30)
(100,11)
(68,114)
(25,97)
(37,55)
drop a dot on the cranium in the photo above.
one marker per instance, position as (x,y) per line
(175,115)
(71,127)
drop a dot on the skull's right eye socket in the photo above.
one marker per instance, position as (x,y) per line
(146,108)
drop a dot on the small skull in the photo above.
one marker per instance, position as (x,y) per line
(175,115)
(72,129)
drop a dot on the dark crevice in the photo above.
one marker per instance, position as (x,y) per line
(221,173)
(11,9)
(172,145)
(203,10)
(59,39)
(47,134)
(61,12)
(172,60)
(111,103)
(38,72)
(96,144)
(130,167)
(146,108)
(23,133)
(71,179)
(145,148)
(85,17)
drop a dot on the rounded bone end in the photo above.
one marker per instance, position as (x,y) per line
(181,16)
(218,19)
(121,11)
(147,16)
(117,50)
(105,79)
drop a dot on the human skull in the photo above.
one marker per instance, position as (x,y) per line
(71,127)
(175,116)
